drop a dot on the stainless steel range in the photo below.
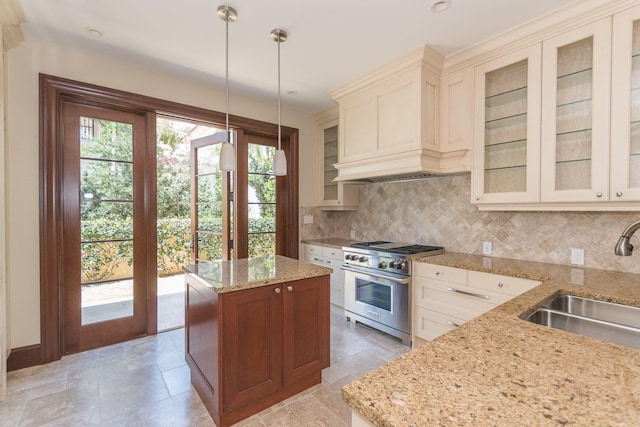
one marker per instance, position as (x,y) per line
(376,280)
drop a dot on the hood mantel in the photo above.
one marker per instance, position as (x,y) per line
(390,121)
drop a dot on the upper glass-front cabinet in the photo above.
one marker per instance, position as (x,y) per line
(625,107)
(507,131)
(575,115)
(333,195)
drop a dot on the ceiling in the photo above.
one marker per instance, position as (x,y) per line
(331,42)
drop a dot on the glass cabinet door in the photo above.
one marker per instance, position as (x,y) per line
(625,107)
(575,112)
(330,157)
(507,135)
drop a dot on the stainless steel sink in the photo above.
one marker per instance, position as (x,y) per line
(615,323)
(594,309)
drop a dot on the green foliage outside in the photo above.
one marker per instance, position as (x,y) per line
(106,208)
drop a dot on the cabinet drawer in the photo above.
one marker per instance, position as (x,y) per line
(436,296)
(332,253)
(429,325)
(440,272)
(312,249)
(507,285)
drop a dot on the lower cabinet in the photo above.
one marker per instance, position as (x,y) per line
(250,349)
(332,258)
(446,297)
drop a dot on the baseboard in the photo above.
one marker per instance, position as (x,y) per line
(25,357)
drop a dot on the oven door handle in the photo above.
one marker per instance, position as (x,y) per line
(402,281)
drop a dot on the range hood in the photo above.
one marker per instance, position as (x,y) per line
(405,121)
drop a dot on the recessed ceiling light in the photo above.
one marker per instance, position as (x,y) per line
(94,33)
(440,5)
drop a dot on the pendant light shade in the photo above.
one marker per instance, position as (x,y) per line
(279,158)
(227,150)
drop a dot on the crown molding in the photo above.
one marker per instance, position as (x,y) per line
(11,15)
(576,14)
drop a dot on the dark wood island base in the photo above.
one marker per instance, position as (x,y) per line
(255,346)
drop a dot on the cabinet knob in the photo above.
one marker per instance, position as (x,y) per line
(477,198)
(598,194)
(619,194)
(500,284)
(277,290)
(437,273)
(289,288)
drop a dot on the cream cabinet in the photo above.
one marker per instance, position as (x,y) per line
(506,165)
(625,107)
(333,195)
(576,83)
(446,297)
(332,258)
(587,154)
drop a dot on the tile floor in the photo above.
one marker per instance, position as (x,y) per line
(145,382)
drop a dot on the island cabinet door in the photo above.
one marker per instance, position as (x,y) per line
(251,345)
(305,314)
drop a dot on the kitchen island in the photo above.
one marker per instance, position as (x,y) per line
(257,332)
(501,370)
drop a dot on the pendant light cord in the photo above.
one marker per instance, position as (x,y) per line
(279,127)
(226,78)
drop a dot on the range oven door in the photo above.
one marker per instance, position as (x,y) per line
(380,301)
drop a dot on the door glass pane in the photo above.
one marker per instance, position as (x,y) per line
(573,115)
(210,196)
(634,161)
(106,219)
(262,201)
(506,129)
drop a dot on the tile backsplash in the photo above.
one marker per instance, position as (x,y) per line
(438,211)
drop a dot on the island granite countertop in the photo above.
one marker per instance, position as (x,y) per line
(239,274)
(499,370)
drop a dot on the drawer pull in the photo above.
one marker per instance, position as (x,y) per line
(373,313)
(322,260)
(454,324)
(468,293)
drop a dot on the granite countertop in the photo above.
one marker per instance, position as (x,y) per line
(332,242)
(498,369)
(236,275)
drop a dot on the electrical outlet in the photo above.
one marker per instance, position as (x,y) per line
(353,234)
(577,256)
(486,248)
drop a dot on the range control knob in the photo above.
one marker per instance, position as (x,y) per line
(393,264)
(403,265)
(363,259)
(382,264)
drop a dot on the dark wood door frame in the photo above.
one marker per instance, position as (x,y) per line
(53,90)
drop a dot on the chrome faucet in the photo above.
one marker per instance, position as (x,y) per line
(623,247)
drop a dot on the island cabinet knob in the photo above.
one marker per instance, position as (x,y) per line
(289,288)
(500,284)
(277,290)
(619,194)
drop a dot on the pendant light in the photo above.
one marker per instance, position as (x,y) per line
(279,159)
(227,151)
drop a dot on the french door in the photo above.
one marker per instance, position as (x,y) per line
(235,215)
(105,278)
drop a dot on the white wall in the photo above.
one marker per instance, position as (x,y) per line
(24,64)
